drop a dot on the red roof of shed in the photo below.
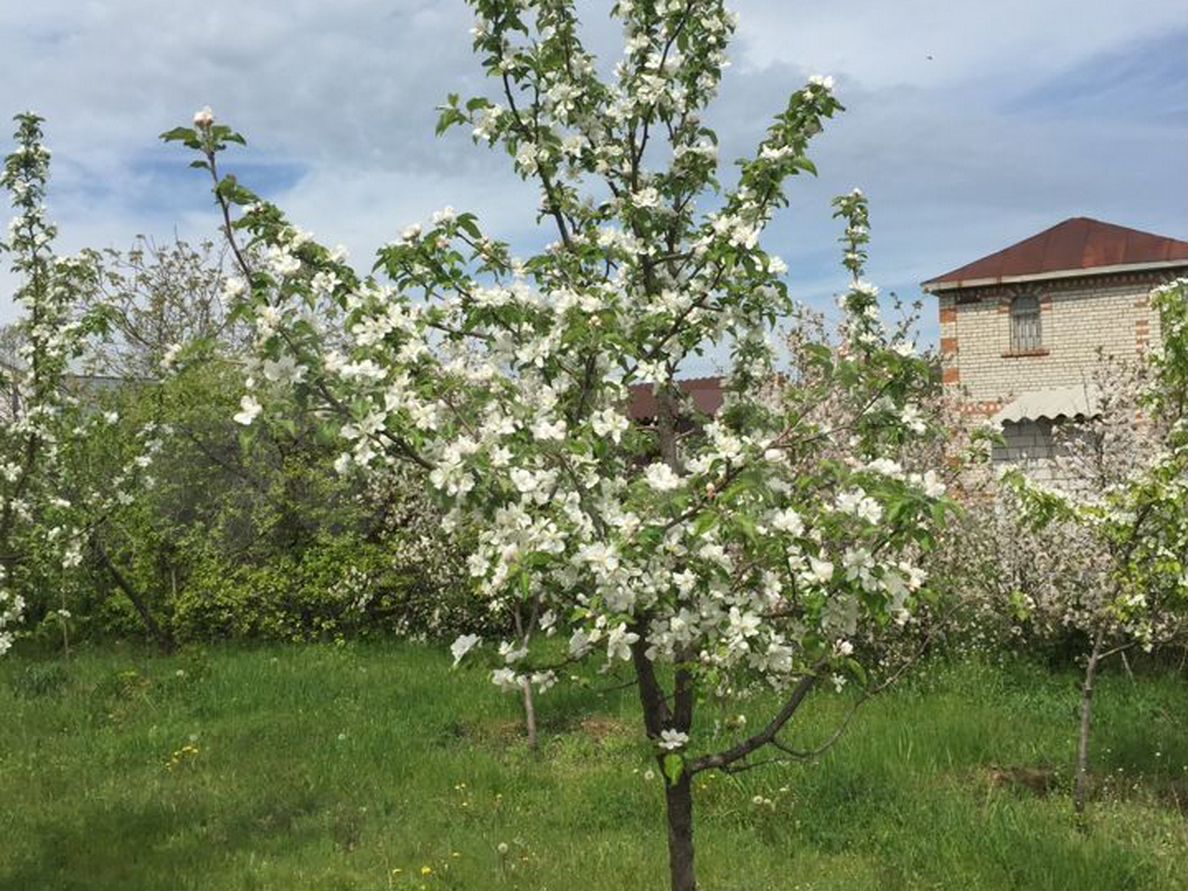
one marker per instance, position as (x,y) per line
(705,391)
(1076,244)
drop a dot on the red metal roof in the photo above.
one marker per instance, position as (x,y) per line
(705,391)
(1077,243)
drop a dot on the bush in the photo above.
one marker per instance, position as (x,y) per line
(340,586)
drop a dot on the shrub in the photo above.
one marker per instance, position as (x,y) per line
(341,586)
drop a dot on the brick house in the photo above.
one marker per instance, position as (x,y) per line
(1021,328)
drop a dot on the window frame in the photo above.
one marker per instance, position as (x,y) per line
(1026,325)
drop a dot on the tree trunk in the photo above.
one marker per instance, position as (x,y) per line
(162,636)
(1082,784)
(65,631)
(529,713)
(679,795)
(679,800)
(525,635)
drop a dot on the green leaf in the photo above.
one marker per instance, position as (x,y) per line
(746,525)
(857,670)
(674,767)
(705,522)
(806,165)
(230,189)
(179,134)
(286,425)
(467,224)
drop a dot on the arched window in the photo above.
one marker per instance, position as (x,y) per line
(1026,334)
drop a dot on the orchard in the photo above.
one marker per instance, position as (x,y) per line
(439,445)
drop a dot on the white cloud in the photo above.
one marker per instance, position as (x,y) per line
(961,153)
(926,43)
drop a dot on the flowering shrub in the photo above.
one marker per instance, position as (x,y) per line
(737,550)
(227,535)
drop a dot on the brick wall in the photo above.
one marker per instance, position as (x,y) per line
(1078,316)
(1033,446)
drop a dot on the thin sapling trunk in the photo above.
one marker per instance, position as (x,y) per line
(529,714)
(1082,781)
(525,636)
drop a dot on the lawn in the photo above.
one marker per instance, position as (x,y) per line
(376,766)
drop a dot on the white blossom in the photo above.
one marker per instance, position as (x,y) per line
(787,520)
(462,645)
(618,643)
(672,740)
(249,410)
(661,477)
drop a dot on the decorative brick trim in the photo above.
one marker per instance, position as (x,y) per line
(948,346)
(951,376)
(948,315)
(1149,278)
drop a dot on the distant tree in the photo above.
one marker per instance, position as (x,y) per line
(159,300)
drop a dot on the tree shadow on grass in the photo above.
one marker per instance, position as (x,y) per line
(154,845)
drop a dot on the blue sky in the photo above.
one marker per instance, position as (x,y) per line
(969,125)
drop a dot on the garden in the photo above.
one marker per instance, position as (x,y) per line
(319,573)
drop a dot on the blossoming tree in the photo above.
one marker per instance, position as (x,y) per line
(50,333)
(709,554)
(1119,527)
(52,504)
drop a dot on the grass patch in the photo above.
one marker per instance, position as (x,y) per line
(359,766)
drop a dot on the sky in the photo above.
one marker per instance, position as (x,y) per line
(970,125)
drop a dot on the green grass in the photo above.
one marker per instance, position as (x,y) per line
(356,766)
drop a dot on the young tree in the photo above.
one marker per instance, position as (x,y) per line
(1116,534)
(710,554)
(50,333)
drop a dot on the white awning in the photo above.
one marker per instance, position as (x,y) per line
(1066,402)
